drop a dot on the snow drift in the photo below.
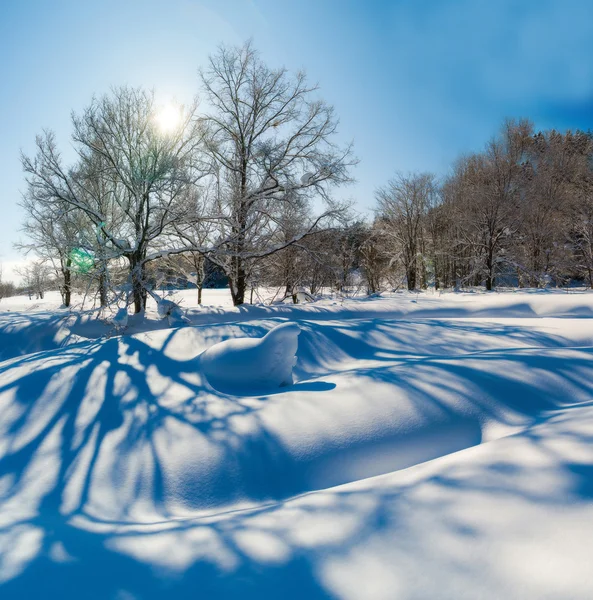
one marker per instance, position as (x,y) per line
(136,432)
(247,365)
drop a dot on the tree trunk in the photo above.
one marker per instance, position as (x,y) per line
(139,293)
(238,288)
(490,271)
(239,285)
(239,281)
(103,288)
(437,281)
(199,265)
(67,288)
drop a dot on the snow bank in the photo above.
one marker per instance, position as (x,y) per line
(247,365)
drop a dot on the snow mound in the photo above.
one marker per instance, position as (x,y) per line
(247,365)
(167,309)
(120,320)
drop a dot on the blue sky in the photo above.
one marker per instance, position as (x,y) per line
(414,82)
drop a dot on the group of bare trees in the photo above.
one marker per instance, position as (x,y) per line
(7,288)
(231,187)
(518,213)
(36,280)
(218,185)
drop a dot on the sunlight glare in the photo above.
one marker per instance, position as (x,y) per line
(168,118)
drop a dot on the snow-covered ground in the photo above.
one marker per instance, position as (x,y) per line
(430,446)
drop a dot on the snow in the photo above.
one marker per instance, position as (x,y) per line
(429,446)
(306,178)
(120,320)
(166,307)
(245,365)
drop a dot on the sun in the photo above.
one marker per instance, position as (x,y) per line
(168,117)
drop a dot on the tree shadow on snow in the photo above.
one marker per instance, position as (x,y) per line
(53,465)
(67,465)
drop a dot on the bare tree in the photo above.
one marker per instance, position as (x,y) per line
(374,258)
(53,231)
(269,141)
(484,195)
(401,207)
(579,209)
(36,277)
(553,162)
(7,288)
(287,268)
(128,164)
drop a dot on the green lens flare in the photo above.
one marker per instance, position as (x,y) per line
(82,260)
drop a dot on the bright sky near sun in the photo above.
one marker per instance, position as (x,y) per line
(415,83)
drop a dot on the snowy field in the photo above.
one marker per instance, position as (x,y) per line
(430,446)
